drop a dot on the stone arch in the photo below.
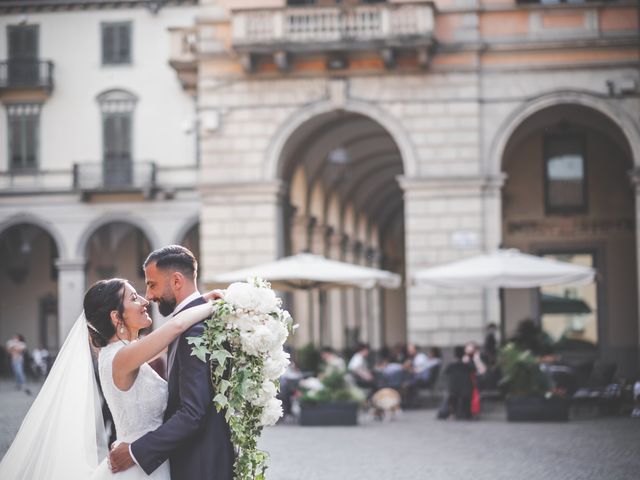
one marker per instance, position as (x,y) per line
(111,218)
(184,229)
(48,227)
(563,97)
(288,128)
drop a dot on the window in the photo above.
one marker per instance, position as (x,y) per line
(117,119)
(23,66)
(116,43)
(565,175)
(569,313)
(23,136)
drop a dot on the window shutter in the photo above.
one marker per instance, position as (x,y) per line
(30,41)
(125,139)
(124,43)
(14,143)
(30,142)
(108,40)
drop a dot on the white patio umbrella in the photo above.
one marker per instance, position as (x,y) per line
(508,268)
(307,271)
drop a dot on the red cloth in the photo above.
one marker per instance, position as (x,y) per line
(475,398)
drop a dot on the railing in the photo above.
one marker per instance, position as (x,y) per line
(115,174)
(18,73)
(331,24)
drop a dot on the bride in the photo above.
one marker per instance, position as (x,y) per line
(62,436)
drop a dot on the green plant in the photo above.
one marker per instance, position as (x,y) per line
(521,374)
(307,358)
(335,388)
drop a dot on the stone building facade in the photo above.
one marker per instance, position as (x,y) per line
(406,134)
(401,135)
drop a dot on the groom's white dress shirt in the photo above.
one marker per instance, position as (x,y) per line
(179,307)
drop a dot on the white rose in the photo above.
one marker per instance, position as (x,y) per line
(241,295)
(265,394)
(246,321)
(272,412)
(276,364)
(266,300)
(257,341)
(279,331)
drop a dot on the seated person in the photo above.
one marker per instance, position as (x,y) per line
(331,361)
(392,374)
(424,367)
(359,368)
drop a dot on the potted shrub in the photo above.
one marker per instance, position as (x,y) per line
(528,389)
(330,401)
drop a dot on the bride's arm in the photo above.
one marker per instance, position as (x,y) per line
(129,358)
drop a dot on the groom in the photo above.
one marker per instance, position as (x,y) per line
(194,437)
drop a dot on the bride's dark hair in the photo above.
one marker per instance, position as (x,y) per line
(100,300)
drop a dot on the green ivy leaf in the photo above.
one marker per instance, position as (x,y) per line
(200,352)
(221,401)
(223,386)
(195,341)
(220,355)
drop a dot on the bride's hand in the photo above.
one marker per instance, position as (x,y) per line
(214,295)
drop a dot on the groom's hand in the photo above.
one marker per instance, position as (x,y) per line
(120,458)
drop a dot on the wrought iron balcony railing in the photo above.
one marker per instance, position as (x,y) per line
(115,174)
(332,24)
(26,73)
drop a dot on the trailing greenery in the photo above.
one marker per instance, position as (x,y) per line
(242,342)
(521,374)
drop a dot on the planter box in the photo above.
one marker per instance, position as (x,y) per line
(536,409)
(333,413)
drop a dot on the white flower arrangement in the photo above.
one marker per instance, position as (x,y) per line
(243,341)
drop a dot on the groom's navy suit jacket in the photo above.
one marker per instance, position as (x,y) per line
(195,437)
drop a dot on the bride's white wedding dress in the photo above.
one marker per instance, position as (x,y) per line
(135,411)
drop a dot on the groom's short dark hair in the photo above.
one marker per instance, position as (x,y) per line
(174,258)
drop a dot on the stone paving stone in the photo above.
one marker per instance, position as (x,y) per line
(417,446)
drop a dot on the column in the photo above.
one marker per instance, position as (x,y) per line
(335,312)
(352,306)
(71,289)
(319,237)
(373,300)
(635,180)
(444,221)
(493,240)
(303,301)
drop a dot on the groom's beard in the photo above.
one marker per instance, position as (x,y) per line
(166,306)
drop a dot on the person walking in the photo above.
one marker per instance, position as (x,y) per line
(17,348)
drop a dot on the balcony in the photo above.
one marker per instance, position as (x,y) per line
(384,28)
(26,76)
(115,176)
(183,56)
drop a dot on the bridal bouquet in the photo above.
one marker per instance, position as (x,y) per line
(244,341)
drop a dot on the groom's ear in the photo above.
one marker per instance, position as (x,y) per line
(177,281)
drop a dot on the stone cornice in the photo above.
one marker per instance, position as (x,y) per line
(25,6)
(242,189)
(446,184)
(518,7)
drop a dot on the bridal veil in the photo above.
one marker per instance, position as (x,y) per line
(62,436)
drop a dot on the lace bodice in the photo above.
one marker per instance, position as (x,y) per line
(141,408)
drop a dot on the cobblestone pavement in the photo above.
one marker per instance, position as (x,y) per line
(416,446)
